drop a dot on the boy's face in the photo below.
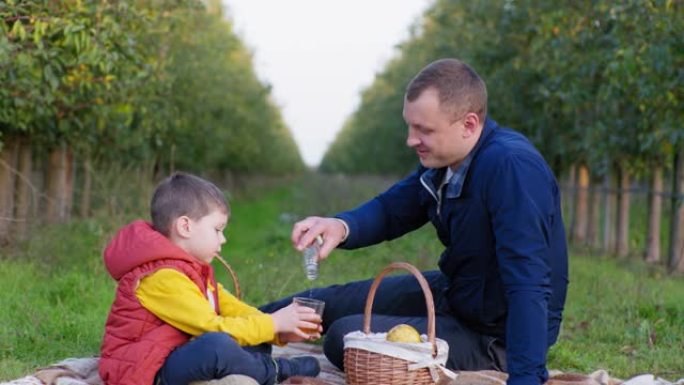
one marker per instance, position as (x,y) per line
(206,236)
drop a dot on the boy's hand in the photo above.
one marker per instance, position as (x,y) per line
(290,337)
(292,319)
(332,230)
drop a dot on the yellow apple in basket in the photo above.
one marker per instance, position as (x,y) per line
(403,333)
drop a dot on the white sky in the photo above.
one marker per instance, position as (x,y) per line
(319,54)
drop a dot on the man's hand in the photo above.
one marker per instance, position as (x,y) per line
(332,230)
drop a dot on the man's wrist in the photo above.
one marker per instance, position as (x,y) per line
(346,229)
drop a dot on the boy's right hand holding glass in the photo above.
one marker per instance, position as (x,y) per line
(291,322)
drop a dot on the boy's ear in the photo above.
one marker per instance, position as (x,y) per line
(182,226)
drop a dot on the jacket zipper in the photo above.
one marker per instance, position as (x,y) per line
(439,203)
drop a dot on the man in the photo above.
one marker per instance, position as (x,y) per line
(496,207)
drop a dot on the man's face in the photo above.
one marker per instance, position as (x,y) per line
(439,138)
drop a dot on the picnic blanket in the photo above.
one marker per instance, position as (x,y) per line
(83,371)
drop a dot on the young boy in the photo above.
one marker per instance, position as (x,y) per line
(170,322)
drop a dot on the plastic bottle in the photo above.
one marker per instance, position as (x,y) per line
(310,255)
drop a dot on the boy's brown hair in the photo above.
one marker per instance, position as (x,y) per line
(184,194)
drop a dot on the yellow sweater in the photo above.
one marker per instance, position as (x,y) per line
(176,300)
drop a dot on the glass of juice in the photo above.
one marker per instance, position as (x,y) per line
(313,303)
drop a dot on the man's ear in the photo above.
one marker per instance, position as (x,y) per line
(472,125)
(182,227)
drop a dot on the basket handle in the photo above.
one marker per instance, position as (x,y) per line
(426,292)
(236,283)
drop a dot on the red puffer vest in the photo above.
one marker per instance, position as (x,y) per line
(136,342)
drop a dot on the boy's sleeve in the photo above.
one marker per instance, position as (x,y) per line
(176,300)
(232,307)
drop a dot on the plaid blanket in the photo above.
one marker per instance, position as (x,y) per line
(83,371)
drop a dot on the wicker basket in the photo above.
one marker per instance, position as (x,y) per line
(363,367)
(236,283)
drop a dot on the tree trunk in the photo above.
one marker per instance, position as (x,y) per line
(84,206)
(69,183)
(8,169)
(570,187)
(594,215)
(172,160)
(56,185)
(652,254)
(608,213)
(677,219)
(579,235)
(26,193)
(622,241)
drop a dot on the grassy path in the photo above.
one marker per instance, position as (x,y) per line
(621,316)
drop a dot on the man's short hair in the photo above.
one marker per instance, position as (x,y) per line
(184,194)
(460,88)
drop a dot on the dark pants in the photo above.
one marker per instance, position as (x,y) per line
(216,355)
(399,299)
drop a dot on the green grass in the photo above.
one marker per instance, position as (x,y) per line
(621,316)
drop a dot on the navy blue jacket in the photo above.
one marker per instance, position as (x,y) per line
(506,255)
